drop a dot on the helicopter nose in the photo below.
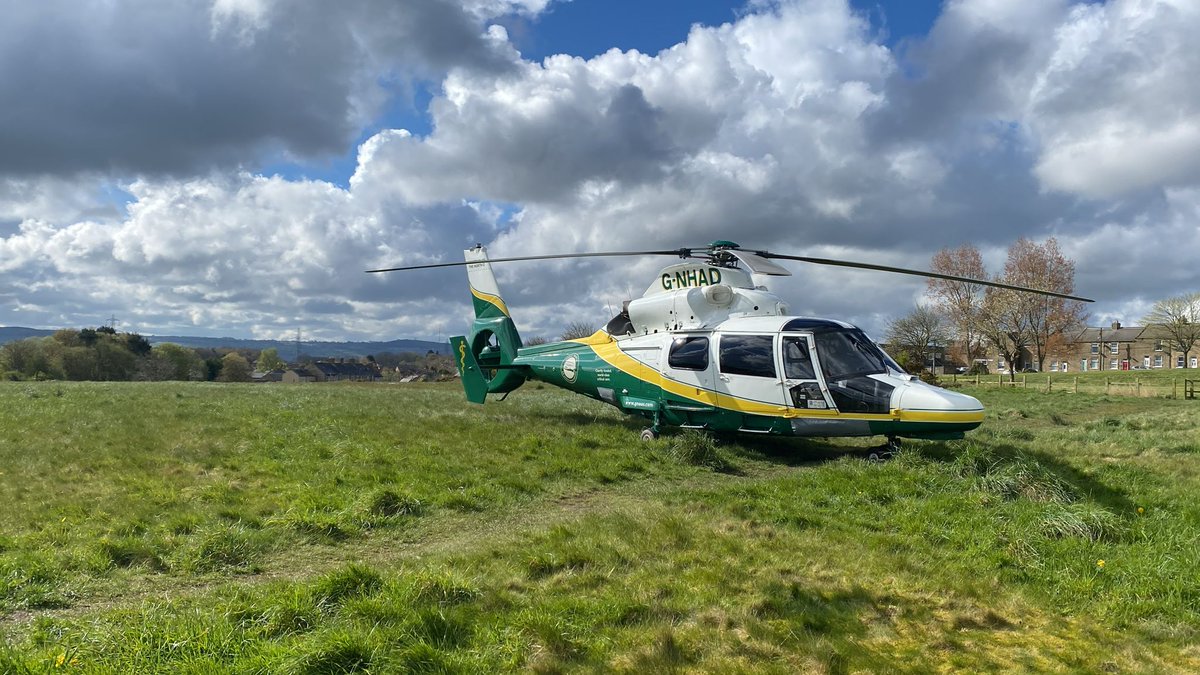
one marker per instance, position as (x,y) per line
(921,396)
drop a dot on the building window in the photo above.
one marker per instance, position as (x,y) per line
(1179,361)
(1095,347)
(1112,364)
(1158,345)
(1054,366)
(1094,365)
(999,364)
(1158,361)
(1114,348)
(689,353)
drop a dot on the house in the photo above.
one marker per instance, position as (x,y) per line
(342,371)
(1118,347)
(1115,347)
(297,374)
(270,376)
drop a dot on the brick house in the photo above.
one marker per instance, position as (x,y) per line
(1119,347)
(1114,347)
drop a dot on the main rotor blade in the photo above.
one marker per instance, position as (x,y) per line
(681,252)
(918,273)
(758,264)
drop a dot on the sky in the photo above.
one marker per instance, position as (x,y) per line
(231,167)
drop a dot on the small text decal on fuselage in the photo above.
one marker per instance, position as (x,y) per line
(694,277)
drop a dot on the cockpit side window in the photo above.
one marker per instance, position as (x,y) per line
(689,353)
(748,355)
(797,362)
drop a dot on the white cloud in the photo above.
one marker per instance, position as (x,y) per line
(1116,108)
(791,129)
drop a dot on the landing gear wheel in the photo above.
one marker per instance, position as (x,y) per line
(884,452)
(649,435)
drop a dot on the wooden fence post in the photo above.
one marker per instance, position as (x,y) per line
(1076,384)
(1024,381)
(1049,383)
(1138,382)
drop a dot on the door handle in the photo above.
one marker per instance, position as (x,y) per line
(724,378)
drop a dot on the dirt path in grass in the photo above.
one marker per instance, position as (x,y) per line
(439,535)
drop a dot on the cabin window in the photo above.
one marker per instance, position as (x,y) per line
(1114,348)
(748,355)
(1095,347)
(797,362)
(689,353)
(1158,361)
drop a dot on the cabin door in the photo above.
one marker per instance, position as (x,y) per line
(801,375)
(748,375)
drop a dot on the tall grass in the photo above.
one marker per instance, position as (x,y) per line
(195,528)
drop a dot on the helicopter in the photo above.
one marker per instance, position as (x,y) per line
(707,348)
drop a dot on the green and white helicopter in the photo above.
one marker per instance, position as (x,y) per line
(705,347)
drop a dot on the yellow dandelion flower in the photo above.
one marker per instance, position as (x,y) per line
(1099,563)
(62,658)
(1141,510)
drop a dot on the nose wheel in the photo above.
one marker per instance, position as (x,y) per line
(884,452)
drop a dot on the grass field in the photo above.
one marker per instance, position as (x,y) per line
(193,527)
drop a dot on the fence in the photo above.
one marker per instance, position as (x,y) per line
(1156,387)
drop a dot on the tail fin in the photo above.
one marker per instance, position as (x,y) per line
(485,356)
(468,369)
(485,294)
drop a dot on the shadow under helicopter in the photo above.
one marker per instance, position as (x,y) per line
(980,456)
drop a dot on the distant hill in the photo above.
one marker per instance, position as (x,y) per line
(13,333)
(287,348)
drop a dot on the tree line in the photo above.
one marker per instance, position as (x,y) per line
(104,354)
(971,319)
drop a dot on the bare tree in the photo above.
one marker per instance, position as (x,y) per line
(1044,267)
(1005,324)
(578,329)
(918,334)
(960,302)
(1177,318)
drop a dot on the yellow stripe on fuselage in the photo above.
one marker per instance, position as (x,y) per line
(492,299)
(608,351)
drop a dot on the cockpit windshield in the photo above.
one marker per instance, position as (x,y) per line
(849,353)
